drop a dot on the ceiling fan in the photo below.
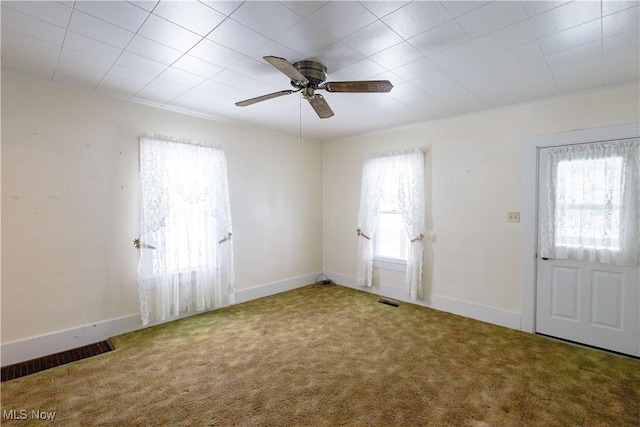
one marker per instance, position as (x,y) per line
(308,77)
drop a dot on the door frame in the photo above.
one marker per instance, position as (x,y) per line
(529,214)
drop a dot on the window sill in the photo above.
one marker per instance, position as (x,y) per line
(390,264)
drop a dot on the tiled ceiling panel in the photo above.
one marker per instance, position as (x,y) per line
(443,58)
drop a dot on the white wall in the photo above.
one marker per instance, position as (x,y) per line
(70,205)
(473,178)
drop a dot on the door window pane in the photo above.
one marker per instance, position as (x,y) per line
(588,200)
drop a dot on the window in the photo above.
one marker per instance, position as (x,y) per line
(186,257)
(185,230)
(589,218)
(391,217)
(589,199)
(390,241)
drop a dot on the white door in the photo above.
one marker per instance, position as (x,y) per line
(588,303)
(582,295)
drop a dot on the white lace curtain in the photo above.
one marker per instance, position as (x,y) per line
(392,178)
(589,202)
(186,254)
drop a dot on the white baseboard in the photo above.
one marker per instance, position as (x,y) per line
(56,342)
(244,295)
(44,345)
(31,348)
(482,313)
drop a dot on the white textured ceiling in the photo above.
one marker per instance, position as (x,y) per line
(443,58)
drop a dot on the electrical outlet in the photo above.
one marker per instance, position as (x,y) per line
(513,216)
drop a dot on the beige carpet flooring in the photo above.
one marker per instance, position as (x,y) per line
(332,356)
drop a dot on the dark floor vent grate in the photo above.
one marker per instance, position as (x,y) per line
(47,362)
(389,302)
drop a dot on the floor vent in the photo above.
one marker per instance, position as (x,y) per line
(389,302)
(47,362)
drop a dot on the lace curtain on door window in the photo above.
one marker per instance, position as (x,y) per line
(395,179)
(589,202)
(186,256)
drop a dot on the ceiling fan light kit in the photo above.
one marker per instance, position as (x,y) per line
(308,77)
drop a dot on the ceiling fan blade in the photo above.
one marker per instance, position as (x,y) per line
(373,86)
(285,67)
(264,98)
(319,104)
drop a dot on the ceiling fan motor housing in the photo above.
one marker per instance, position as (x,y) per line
(314,71)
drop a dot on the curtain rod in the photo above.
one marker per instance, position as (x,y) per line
(180,140)
(395,153)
